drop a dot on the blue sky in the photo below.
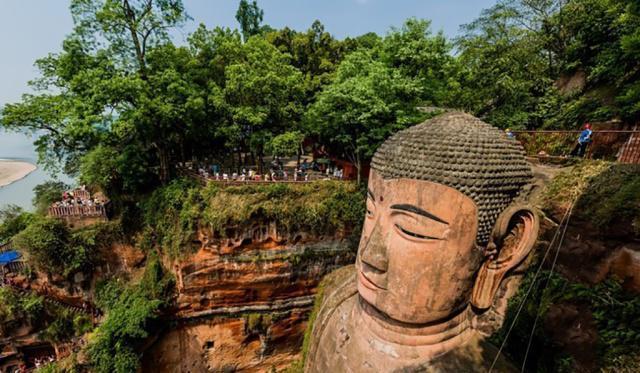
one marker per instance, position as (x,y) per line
(30,29)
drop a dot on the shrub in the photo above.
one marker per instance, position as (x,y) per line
(131,318)
(47,193)
(46,241)
(13,220)
(53,248)
(173,213)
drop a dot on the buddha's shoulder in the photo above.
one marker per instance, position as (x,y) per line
(477,355)
(336,288)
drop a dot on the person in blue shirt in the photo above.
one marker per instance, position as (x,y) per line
(510,134)
(583,141)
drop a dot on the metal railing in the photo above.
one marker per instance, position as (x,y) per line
(7,246)
(257,179)
(78,211)
(614,145)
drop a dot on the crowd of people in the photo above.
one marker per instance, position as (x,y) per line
(277,172)
(41,362)
(78,197)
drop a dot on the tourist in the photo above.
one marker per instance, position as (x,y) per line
(583,141)
(509,134)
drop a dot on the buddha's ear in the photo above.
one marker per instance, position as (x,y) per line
(512,239)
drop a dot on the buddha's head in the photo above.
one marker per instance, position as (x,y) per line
(442,226)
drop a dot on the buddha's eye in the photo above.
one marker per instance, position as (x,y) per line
(371,208)
(416,227)
(414,234)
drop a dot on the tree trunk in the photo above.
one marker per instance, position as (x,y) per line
(358,165)
(163,157)
(133,30)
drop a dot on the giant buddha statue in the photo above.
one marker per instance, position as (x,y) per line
(444,224)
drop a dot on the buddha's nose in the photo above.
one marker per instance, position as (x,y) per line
(374,252)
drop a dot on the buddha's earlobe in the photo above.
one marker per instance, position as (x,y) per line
(512,239)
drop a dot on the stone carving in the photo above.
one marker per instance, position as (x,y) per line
(443,227)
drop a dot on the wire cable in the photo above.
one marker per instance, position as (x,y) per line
(553,265)
(533,282)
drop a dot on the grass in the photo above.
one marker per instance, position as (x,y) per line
(174,213)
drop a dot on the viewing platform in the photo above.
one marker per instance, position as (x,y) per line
(79,208)
(240,180)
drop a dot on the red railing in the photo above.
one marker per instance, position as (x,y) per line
(79,210)
(613,145)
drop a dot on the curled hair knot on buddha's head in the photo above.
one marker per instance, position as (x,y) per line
(460,151)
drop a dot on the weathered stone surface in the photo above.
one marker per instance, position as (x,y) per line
(228,344)
(443,229)
(243,300)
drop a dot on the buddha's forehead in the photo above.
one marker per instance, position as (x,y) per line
(444,201)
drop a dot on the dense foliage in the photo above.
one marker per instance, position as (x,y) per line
(173,213)
(58,323)
(47,193)
(121,104)
(52,248)
(12,221)
(607,209)
(615,312)
(132,313)
(607,195)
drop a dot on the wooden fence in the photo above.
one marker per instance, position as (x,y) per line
(612,145)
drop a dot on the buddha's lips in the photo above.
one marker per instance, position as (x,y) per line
(368,283)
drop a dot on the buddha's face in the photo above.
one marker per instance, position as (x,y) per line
(417,259)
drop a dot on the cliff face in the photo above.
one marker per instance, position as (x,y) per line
(243,300)
(586,305)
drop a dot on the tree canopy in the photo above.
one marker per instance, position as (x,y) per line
(122,104)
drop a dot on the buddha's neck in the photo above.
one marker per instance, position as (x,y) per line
(435,338)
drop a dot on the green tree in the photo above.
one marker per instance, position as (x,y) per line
(367,102)
(47,193)
(102,84)
(12,221)
(52,248)
(264,94)
(131,317)
(249,16)
(287,144)
(503,75)
(423,57)
(316,53)
(46,241)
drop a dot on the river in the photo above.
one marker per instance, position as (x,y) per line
(20,147)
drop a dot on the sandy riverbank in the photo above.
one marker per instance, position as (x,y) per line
(11,171)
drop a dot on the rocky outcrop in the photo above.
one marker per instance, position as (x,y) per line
(243,300)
